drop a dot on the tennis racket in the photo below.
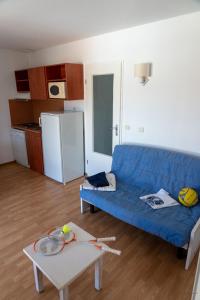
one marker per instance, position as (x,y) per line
(55,241)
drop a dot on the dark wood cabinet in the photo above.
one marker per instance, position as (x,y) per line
(74,81)
(22,82)
(34,150)
(56,73)
(38,83)
(71,74)
(37,80)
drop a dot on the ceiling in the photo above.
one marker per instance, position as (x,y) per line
(34,24)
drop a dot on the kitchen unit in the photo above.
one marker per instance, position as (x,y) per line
(24,115)
(62,141)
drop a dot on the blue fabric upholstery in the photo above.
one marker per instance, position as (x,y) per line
(142,170)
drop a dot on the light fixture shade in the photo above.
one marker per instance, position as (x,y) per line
(143,71)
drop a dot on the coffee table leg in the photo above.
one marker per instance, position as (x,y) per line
(64,293)
(38,279)
(98,273)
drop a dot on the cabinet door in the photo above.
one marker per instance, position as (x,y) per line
(34,150)
(74,78)
(38,83)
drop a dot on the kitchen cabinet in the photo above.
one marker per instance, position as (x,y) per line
(74,80)
(38,83)
(71,74)
(34,150)
(37,80)
(22,82)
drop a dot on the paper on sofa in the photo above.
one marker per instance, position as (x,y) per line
(159,200)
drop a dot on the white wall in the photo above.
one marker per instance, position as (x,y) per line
(168,107)
(9,62)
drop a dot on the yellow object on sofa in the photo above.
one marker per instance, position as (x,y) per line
(188,197)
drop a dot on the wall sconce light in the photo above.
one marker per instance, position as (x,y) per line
(143,71)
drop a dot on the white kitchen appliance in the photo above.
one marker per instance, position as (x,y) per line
(62,141)
(57,90)
(19,146)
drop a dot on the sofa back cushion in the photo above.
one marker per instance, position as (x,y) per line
(156,168)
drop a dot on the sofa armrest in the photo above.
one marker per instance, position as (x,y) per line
(194,244)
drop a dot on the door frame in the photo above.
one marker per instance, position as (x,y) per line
(118,65)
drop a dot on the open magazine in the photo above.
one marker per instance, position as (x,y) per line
(160,199)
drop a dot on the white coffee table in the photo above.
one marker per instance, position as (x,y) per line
(61,269)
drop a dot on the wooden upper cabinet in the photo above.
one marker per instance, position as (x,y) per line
(38,80)
(74,80)
(38,83)
(71,74)
(22,82)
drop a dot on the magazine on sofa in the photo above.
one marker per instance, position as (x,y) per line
(160,199)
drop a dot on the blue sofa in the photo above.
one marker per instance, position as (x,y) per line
(143,170)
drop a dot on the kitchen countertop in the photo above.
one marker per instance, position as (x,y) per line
(35,127)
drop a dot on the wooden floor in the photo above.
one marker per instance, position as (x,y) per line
(31,204)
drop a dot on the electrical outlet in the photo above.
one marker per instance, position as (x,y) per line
(141,129)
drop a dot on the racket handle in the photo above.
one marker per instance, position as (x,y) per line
(106,239)
(114,251)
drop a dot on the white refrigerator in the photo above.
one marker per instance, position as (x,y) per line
(62,142)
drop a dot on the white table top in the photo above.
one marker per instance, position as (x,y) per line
(64,267)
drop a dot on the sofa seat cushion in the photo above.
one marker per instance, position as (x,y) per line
(173,224)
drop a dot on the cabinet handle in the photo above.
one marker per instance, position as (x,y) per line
(40,122)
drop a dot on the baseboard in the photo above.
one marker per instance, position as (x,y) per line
(7,163)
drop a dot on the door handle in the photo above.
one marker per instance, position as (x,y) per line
(116,129)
